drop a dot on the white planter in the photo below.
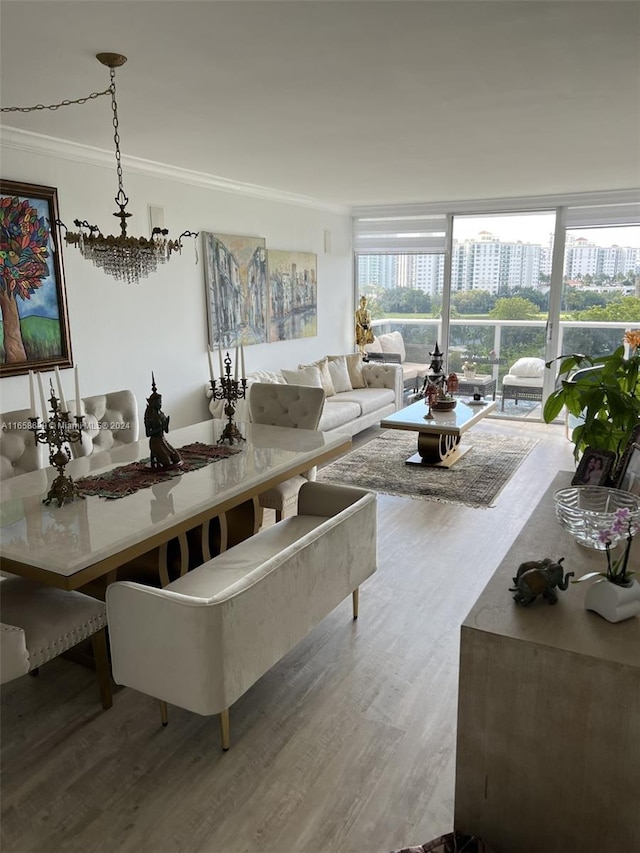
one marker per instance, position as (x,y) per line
(613,602)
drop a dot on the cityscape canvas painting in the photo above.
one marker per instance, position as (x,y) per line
(236,289)
(292,295)
(34,332)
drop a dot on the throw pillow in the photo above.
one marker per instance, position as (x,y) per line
(374,347)
(393,342)
(323,366)
(529,367)
(354,367)
(340,374)
(307,376)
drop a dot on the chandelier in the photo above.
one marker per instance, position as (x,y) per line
(125,258)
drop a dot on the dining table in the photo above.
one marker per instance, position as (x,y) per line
(89,539)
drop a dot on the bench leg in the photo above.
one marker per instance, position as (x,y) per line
(224,729)
(356,601)
(164,713)
(101,660)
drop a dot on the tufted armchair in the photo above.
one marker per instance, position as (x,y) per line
(293,406)
(111,420)
(19,452)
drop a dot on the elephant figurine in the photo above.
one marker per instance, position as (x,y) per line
(539,577)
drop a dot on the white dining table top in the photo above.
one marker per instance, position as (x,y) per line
(66,540)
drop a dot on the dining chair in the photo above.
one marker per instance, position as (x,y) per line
(19,452)
(111,420)
(294,406)
(40,622)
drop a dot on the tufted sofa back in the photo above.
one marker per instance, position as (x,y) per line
(111,420)
(285,405)
(19,452)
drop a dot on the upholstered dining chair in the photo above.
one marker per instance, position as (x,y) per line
(111,420)
(19,452)
(294,406)
(40,622)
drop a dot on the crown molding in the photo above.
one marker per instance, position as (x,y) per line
(36,143)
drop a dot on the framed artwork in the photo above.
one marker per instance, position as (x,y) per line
(630,476)
(292,295)
(594,468)
(634,438)
(34,331)
(236,289)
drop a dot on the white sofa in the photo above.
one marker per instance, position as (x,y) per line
(205,639)
(392,344)
(349,411)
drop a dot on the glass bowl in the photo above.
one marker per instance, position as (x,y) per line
(585,511)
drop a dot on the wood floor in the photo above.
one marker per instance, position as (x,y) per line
(345,746)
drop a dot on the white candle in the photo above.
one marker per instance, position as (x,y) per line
(244,375)
(211,376)
(235,372)
(63,402)
(32,395)
(220,358)
(43,401)
(78,398)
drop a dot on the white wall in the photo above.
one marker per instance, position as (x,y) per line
(120,333)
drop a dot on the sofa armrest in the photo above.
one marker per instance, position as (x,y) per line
(385,376)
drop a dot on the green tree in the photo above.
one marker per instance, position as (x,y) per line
(515,308)
(538,297)
(619,309)
(473,301)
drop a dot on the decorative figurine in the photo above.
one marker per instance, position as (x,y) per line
(539,577)
(58,432)
(156,423)
(445,385)
(364,332)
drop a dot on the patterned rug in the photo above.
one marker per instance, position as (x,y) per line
(128,479)
(476,480)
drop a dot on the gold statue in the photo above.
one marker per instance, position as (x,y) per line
(156,423)
(364,332)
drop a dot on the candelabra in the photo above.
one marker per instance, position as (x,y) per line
(230,390)
(57,432)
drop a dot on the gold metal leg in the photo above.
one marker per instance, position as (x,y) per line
(224,729)
(356,601)
(164,712)
(103,671)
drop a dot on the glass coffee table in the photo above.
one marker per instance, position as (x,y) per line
(438,438)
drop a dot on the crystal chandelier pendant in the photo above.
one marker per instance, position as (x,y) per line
(127,259)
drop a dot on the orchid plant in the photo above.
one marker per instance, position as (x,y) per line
(623,525)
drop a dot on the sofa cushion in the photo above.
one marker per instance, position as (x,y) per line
(325,377)
(375,346)
(354,366)
(340,374)
(336,413)
(532,367)
(393,342)
(368,399)
(305,376)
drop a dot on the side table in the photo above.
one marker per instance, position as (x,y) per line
(485,384)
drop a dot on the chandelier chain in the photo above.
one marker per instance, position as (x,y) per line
(64,103)
(116,136)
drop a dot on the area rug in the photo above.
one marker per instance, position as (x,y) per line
(476,480)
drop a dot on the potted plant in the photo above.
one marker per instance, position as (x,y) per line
(616,595)
(606,397)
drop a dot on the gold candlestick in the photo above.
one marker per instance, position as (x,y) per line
(58,432)
(230,390)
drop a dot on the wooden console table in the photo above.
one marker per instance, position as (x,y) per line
(548,747)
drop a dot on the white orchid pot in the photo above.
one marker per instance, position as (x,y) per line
(612,601)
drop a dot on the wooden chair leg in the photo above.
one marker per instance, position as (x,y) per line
(164,713)
(103,670)
(356,601)
(224,729)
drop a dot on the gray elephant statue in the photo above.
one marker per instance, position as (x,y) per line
(539,577)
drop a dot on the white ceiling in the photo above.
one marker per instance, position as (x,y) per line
(346,102)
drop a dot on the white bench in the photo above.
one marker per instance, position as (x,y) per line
(206,638)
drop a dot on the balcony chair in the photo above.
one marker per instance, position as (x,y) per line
(285,406)
(523,381)
(19,452)
(41,622)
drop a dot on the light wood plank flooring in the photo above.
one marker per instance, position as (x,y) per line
(346,745)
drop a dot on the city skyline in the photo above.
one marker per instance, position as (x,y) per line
(539,228)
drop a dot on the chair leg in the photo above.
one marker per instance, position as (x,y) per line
(164,713)
(224,729)
(356,601)
(279,515)
(103,670)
